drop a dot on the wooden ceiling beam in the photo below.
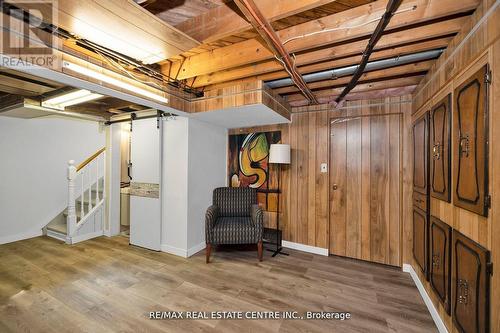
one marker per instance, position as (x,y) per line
(403,70)
(315,61)
(251,51)
(263,27)
(223,21)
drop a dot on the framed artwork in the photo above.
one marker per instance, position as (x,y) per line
(248,165)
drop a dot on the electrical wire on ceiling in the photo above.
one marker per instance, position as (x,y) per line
(117,60)
(412,8)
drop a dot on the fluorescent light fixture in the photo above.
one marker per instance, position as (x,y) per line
(115,82)
(71,98)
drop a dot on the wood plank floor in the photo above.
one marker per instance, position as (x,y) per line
(105,285)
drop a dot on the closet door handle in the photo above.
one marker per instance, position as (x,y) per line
(335,187)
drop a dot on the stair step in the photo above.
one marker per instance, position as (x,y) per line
(86,200)
(58,227)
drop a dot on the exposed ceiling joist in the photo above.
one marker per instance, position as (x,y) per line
(120,25)
(259,22)
(251,51)
(223,21)
(412,40)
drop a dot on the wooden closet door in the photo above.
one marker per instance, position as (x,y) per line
(471,285)
(420,154)
(440,150)
(470,150)
(420,239)
(440,261)
(365,188)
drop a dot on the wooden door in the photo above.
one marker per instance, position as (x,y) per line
(420,154)
(440,149)
(470,152)
(420,239)
(440,261)
(471,285)
(365,188)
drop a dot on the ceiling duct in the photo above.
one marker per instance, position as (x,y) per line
(349,70)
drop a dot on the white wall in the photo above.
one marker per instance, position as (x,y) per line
(113,178)
(194,163)
(174,185)
(207,170)
(34,155)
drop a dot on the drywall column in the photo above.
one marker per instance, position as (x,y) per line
(194,163)
(207,170)
(174,185)
(113,156)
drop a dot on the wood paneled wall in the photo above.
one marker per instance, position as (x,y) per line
(455,65)
(305,217)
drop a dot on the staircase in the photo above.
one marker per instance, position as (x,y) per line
(83,218)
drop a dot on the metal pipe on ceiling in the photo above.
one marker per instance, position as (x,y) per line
(332,74)
(391,8)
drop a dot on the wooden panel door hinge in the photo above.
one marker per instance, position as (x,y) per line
(487,201)
(487,77)
(489,268)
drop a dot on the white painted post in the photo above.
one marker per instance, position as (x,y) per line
(71,218)
(104,192)
(82,204)
(97,177)
(90,188)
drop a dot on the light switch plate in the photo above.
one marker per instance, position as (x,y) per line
(324,167)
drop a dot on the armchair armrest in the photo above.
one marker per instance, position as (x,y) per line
(258,220)
(211,216)
(257,215)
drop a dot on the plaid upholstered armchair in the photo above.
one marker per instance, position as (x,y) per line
(234,218)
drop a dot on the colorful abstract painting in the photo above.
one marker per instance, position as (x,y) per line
(249,167)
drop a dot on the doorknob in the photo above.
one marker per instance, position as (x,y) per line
(335,187)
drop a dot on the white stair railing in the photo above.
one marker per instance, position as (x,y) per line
(88,175)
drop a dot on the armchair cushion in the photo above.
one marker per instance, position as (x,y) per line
(235,230)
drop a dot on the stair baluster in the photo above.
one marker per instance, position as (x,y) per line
(90,188)
(71,219)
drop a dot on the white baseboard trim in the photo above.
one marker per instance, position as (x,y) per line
(427,300)
(305,248)
(182,252)
(195,249)
(81,238)
(174,250)
(21,236)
